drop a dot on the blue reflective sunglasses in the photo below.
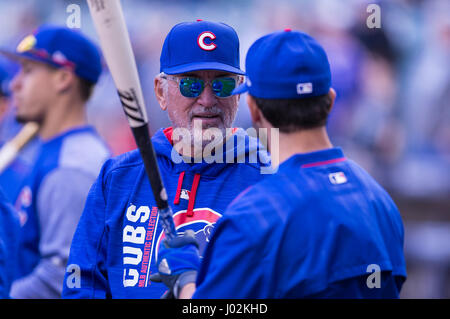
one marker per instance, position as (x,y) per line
(192,86)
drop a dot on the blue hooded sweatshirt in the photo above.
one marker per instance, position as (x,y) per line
(116,243)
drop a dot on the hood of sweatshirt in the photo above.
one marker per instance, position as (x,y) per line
(238,148)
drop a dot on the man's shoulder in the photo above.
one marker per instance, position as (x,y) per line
(125,160)
(258,213)
(261,198)
(83,150)
(367,182)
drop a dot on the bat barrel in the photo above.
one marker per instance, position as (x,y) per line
(110,25)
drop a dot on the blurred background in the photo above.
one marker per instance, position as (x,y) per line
(392,111)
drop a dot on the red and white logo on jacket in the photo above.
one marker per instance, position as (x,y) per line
(141,239)
(202,223)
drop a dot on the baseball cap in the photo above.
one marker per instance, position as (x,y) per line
(286,65)
(61,47)
(200,45)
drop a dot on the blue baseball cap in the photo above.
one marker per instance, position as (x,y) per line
(61,47)
(200,45)
(286,65)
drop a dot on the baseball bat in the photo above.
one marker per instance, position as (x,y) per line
(115,42)
(11,148)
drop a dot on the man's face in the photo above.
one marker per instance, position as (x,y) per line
(212,111)
(32,91)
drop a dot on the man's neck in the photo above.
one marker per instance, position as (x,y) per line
(195,148)
(62,118)
(303,141)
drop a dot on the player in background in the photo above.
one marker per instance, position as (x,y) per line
(12,176)
(9,237)
(117,240)
(320,226)
(58,70)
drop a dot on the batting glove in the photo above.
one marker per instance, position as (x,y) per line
(178,263)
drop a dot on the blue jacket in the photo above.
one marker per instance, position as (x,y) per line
(116,242)
(319,228)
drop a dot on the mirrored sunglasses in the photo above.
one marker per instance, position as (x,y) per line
(192,86)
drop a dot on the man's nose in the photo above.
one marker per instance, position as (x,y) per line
(15,83)
(207,98)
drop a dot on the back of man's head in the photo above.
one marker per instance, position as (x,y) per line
(289,77)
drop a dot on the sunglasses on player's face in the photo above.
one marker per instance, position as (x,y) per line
(191,86)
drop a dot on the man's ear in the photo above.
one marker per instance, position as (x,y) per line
(255,112)
(332,94)
(63,80)
(240,80)
(160,92)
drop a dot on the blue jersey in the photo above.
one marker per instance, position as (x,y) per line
(9,236)
(49,204)
(319,228)
(117,240)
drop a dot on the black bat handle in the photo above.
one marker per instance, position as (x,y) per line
(145,146)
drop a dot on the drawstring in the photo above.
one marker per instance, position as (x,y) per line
(190,210)
(176,201)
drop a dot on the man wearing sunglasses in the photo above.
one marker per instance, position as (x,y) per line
(196,101)
(196,80)
(118,238)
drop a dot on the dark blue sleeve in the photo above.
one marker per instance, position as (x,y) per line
(9,237)
(233,266)
(86,268)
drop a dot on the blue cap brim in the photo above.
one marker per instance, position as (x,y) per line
(240,89)
(16,56)
(11,55)
(198,66)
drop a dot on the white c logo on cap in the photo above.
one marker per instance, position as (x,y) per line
(201,41)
